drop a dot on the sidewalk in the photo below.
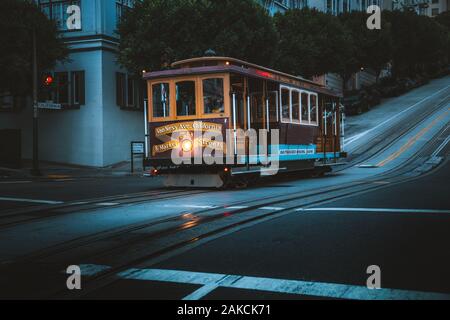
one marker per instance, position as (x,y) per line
(54,171)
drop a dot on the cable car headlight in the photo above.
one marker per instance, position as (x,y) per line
(186,145)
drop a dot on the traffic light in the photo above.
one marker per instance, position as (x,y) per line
(48,80)
(47,87)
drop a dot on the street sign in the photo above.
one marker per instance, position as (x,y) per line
(49,105)
(138,147)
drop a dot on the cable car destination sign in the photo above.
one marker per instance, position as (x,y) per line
(186,129)
(188,126)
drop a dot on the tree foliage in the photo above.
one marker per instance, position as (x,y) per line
(302,42)
(420,43)
(312,43)
(160,31)
(372,48)
(18,19)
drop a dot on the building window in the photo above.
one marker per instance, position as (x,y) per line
(121,7)
(11,103)
(434,11)
(62,88)
(56,10)
(6,101)
(128,91)
(78,88)
(68,89)
(435,1)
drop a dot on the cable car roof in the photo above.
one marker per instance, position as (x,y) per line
(205,65)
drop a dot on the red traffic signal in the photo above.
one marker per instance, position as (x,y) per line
(48,80)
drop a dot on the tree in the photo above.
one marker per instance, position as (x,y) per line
(420,43)
(155,33)
(313,43)
(444,19)
(373,48)
(17,21)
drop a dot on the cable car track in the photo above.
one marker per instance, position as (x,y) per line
(186,234)
(20,216)
(362,151)
(395,176)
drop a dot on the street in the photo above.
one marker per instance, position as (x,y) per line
(288,237)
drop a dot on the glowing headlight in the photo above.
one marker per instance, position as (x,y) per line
(186,145)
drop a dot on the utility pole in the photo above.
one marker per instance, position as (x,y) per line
(35,171)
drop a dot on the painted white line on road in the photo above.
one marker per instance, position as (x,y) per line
(209,287)
(30,200)
(107,204)
(199,206)
(392,210)
(271,208)
(362,134)
(211,281)
(190,206)
(14,182)
(237,207)
(78,203)
(442,146)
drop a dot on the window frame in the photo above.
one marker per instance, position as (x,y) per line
(50,3)
(226,97)
(73,87)
(200,115)
(301,92)
(196,90)
(317,109)
(122,101)
(282,118)
(298,92)
(150,100)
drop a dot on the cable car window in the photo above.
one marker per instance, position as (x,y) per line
(213,96)
(295,106)
(161,100)
(313,109)
(185,93)
(285,105)
(304,108)
(273,106)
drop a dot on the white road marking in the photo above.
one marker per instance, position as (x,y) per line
(209,287)
(271,208)
(190,206)
(237,207)
(375,210)
(362,134)
(211,281)
(78,203)
(107,204)
(199,206)
(30,200)
(14,182)
(442,146)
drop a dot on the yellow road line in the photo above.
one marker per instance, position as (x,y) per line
(412,141)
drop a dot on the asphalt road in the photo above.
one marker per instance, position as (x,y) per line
(325,246)
(306,252)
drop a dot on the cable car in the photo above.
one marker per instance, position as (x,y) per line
(222,95)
